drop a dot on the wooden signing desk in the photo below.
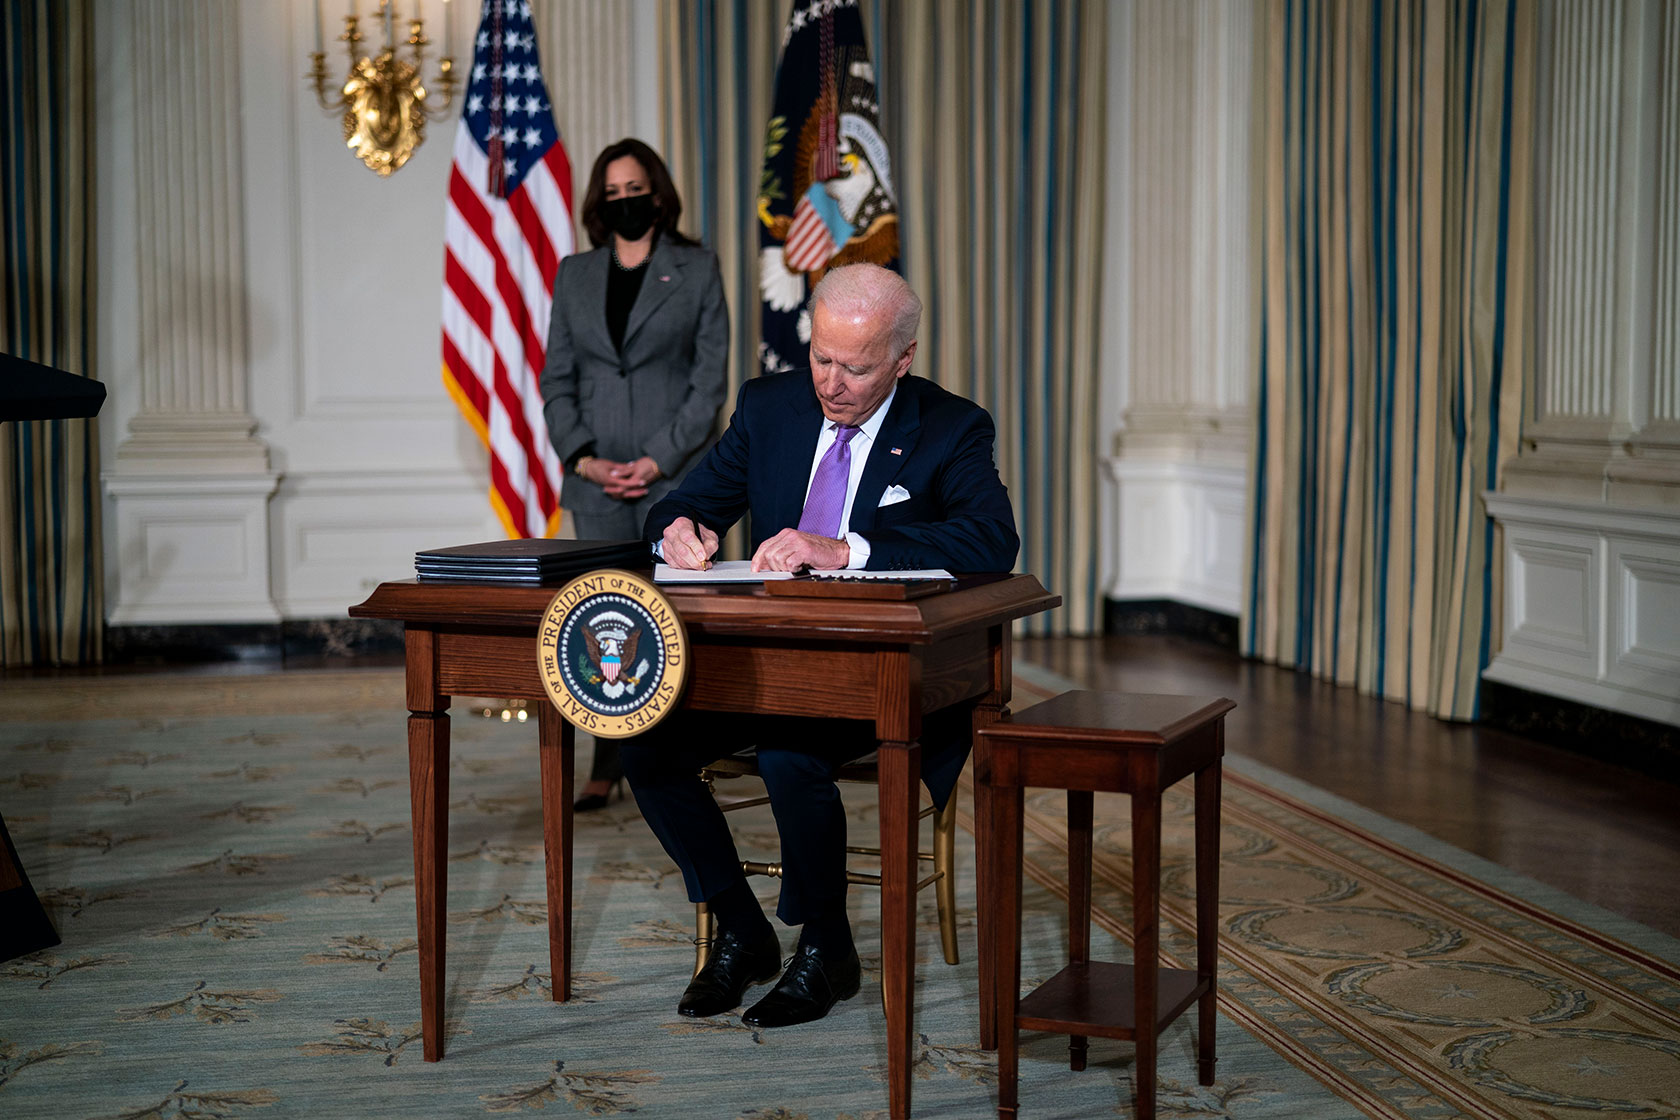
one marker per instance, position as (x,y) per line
(753,652)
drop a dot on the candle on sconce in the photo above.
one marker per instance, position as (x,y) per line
(390,36)
(319,49)
(448,36)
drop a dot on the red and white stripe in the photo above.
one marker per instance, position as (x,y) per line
(809,244)
(500,258)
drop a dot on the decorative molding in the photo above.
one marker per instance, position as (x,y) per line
(1592,604)
(192,548)
(1627,521)
(1181,534)
(337,536)
(1642,646)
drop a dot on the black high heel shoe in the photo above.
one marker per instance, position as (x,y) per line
(590,802)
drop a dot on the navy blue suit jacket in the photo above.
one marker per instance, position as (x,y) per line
(933,444)
(957,517)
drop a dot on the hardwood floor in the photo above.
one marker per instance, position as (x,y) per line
(1602,833)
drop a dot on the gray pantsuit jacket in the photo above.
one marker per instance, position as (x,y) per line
(660,396)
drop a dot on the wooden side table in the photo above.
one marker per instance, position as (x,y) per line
(1086,742)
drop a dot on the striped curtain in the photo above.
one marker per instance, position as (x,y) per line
(1393,336)
(993,111)
(51,606)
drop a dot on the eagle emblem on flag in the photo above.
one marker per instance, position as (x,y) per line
(826,194)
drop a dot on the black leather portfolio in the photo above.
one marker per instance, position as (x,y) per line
(529,560)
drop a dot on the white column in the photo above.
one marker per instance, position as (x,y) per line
(1590,508)
(1181,450)
(190,484)
(1656,443)
(1605,360)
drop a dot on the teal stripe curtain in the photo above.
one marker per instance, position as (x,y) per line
(51,607)
(993,111)
(1391,375)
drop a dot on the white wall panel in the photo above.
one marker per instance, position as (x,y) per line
(1592,604)
(1181,535)
(330,538)
(1644,643)
(198,557)
(1551,597)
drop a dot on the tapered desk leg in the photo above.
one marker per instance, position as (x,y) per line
(986,928)
(1207,915)
(1079,810)
(556,745)
(1006,810)
(985,872)
(900,770)
(1146,942)
(428,787)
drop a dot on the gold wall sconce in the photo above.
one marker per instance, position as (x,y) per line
(383,101)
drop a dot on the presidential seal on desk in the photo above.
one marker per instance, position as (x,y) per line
(612,653)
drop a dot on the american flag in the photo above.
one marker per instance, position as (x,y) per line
(508,224)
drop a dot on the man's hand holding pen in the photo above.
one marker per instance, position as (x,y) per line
(688,546)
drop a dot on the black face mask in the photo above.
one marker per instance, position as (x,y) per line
(629,216)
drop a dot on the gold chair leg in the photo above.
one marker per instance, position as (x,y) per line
(705,928)
(944,862)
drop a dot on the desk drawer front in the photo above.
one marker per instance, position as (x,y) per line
(489,665)
(791,680)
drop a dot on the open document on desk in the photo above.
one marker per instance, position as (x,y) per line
(721,571)
(740,571)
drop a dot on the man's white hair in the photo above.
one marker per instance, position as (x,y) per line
(872,292)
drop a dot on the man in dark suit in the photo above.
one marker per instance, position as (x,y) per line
(852,464)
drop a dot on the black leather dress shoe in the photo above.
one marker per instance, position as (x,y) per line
(729,971)
(808,989)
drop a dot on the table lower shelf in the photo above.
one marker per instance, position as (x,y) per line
(1097,998)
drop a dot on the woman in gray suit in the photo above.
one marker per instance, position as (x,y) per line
(637,345)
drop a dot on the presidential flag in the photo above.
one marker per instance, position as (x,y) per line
(825,196)
(508,223)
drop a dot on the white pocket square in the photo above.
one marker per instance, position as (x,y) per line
(894,495)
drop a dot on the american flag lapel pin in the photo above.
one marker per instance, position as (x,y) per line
(898,451)
(664,279)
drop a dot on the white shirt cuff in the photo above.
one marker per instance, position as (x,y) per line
(860,552)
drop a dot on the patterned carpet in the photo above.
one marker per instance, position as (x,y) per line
(228,861)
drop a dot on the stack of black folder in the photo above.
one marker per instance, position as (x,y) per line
(533,561)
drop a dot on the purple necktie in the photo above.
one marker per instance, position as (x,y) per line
(827,497)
